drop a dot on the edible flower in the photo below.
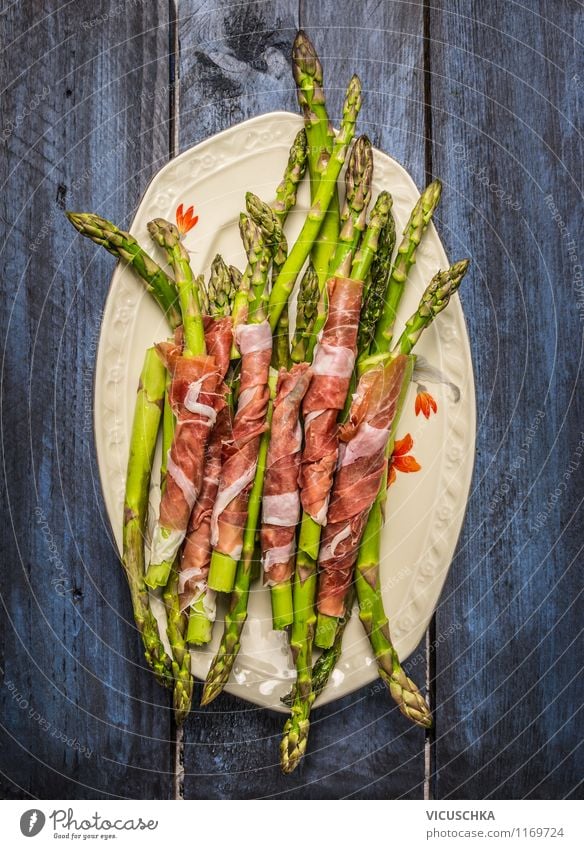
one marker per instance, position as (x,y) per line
(401,460)
(425,403)
(185,221)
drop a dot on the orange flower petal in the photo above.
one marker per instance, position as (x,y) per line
(425,404)
(406,464)
(185,221)
(402,446)
(391,476)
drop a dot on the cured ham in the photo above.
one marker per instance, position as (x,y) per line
(196,555)
(240,453)
(333,363)
(361,465)
(218,339)
(281,501)
(196,396)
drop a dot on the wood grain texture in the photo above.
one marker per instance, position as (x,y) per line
(235,63)
(505,142)
(485,96)
(359,747)
(71,668)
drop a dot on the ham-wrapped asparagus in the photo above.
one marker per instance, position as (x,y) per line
(196,398)
(197,627)
(281,500)
(334,359)
(196,555)
(240,453)
(361,465)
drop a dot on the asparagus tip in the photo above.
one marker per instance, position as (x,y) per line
(210,693)
(293,745)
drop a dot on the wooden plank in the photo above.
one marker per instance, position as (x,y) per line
(384,46)
(82,718)
(234,64)
(360,746)
(504,113)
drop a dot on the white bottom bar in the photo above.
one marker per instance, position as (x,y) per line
(329,823)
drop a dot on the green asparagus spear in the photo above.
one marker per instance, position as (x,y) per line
(125,247)
(286,194)
(371,613)
(281,344)
(328,659)
(221,288)
(306,310)
(167,236)
(147,415)
(375,294)
(203,295)
(176,620)
(287,189)
(236,277)
(270,224)
(258,264)
(354,213)
(287,277)
(406,256)
(436,298)
(367,252)
(309,85)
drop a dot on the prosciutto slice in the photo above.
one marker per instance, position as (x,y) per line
(240,453)
(361,464)
(281,502)
(196,396)
(219,339)
(196,555)
(334,359)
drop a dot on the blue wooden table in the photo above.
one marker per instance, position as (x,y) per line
(96,97)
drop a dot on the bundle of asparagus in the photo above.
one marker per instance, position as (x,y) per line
(276,445)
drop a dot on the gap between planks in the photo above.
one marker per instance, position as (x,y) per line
(431,647)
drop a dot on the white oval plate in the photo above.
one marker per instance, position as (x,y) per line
(425,510)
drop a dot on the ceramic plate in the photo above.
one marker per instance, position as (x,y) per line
(425,510)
